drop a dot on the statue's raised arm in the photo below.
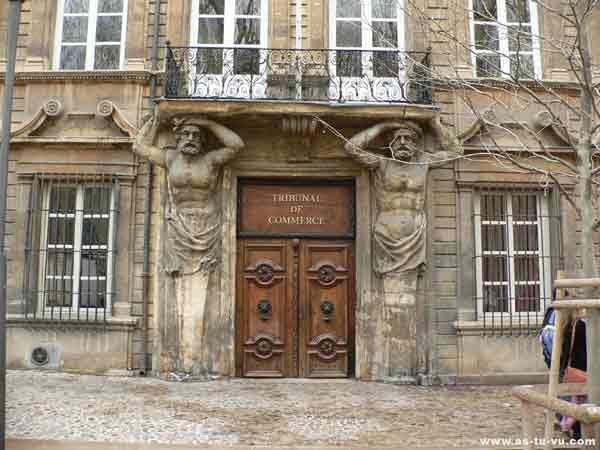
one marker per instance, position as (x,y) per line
(450,147)
(144,142)
(232,143)
(357,145)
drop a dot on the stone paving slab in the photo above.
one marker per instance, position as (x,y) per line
(273,413)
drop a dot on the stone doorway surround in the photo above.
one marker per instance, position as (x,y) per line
(393,331)
(231,175)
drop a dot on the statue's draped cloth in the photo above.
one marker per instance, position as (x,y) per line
(193,239)
(396,252)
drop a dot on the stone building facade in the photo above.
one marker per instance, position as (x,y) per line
(275,190)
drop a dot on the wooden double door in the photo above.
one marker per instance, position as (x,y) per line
(295,308)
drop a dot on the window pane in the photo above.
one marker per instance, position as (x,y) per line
(246,61)
(72,57)
(386,64)
(347,8)
(108,29)
(96,200)
(211,7)
(93,263)
(247,7)
(61,231)
(527,298)
(517,11)
(59,262)
(92,293)
(486,37)
(524,207)
(492,207)
(519,39)
(527,268)
(76,6)
(209,61)
(107,57)
(348,34)
(495,298)
(488,65)
(210,31)
(110,6)
(62,199)
(385,34)
(348,63)
(58,292)
(494,268)
(521,66)
(485,10)
(384,9)
(95,232)
(526,237)
(493,237)
(247,31)
(75,29)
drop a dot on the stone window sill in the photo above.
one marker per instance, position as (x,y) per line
(111,323)
(479,327)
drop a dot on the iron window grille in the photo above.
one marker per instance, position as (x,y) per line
(70,264)
(517,248)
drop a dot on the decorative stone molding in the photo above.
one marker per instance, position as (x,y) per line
(544,120)
(81,76)
(488,116)
(53,109)
(109,110)
(50,109)
(299,125)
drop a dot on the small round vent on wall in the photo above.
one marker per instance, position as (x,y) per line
(39,356)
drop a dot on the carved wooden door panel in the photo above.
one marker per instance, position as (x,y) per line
(295,310)
(326,308)
(266,317)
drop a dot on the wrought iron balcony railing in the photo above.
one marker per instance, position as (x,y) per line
(387,76)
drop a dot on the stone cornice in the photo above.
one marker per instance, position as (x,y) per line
(121,76)
(502,83)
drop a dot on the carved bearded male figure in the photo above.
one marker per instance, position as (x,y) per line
(400,179)
(193,217)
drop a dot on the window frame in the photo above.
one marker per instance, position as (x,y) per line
(79,215)
(90,44)
(544,255)
(502,25)
(366,21)
(229,18)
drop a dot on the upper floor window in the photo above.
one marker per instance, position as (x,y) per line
(373,25)
(505,38)
(90,34)
(512,252)
(228,23)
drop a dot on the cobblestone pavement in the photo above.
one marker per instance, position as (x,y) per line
(340,413)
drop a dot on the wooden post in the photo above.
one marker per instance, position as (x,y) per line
(559,326)
(553,380)
(528,424)
(593,361)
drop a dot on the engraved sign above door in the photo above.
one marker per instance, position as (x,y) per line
(306,209)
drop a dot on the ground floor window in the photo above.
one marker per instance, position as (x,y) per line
(75,248)
(512,253)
